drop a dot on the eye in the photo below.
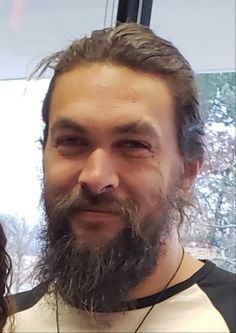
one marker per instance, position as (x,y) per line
(134,149)
(134,145)
(71,144)
(68,141)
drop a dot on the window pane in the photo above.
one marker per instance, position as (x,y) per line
(211,233)
(20,173)
(204,31)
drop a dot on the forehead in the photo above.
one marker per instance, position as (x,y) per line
(110,95)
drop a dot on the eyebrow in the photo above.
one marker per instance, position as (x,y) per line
(66,123)
(135,127)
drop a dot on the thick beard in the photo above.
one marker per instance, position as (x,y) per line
(100,279)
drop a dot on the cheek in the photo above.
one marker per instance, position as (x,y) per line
(144,186)
(60,177)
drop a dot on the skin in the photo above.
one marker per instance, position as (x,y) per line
(88,144)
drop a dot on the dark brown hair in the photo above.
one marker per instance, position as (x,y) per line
(137,48)
(5,269)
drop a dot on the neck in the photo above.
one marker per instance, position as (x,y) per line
(166,268)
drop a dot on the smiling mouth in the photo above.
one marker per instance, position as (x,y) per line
(96,223)
(96,214)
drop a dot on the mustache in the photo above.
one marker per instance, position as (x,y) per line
(66,206)
(87,200)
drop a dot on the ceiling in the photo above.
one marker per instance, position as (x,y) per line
(32,29)
(204,30)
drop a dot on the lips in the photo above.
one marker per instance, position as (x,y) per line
(100,210)
(96,213)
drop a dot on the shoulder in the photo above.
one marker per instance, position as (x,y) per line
(32,311)
(25,300)
(220,287)
(217,280)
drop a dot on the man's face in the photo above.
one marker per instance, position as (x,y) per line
(112,133)
(111,165)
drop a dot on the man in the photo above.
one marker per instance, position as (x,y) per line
(122,146)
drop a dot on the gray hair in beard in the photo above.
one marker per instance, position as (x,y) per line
(99,279)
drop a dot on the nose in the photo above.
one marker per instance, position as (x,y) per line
(98,173)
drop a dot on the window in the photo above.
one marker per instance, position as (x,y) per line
(34,29)
(21,172)
(204,31)
(31,30)
(211,230)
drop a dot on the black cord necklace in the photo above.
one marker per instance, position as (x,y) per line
(159,297)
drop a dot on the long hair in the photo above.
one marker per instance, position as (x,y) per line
(5,271)
(138,48)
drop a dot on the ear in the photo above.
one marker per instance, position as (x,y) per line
(190,171)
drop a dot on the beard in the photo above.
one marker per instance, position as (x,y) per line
(100,279)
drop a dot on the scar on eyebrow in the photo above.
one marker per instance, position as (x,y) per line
(137,127)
